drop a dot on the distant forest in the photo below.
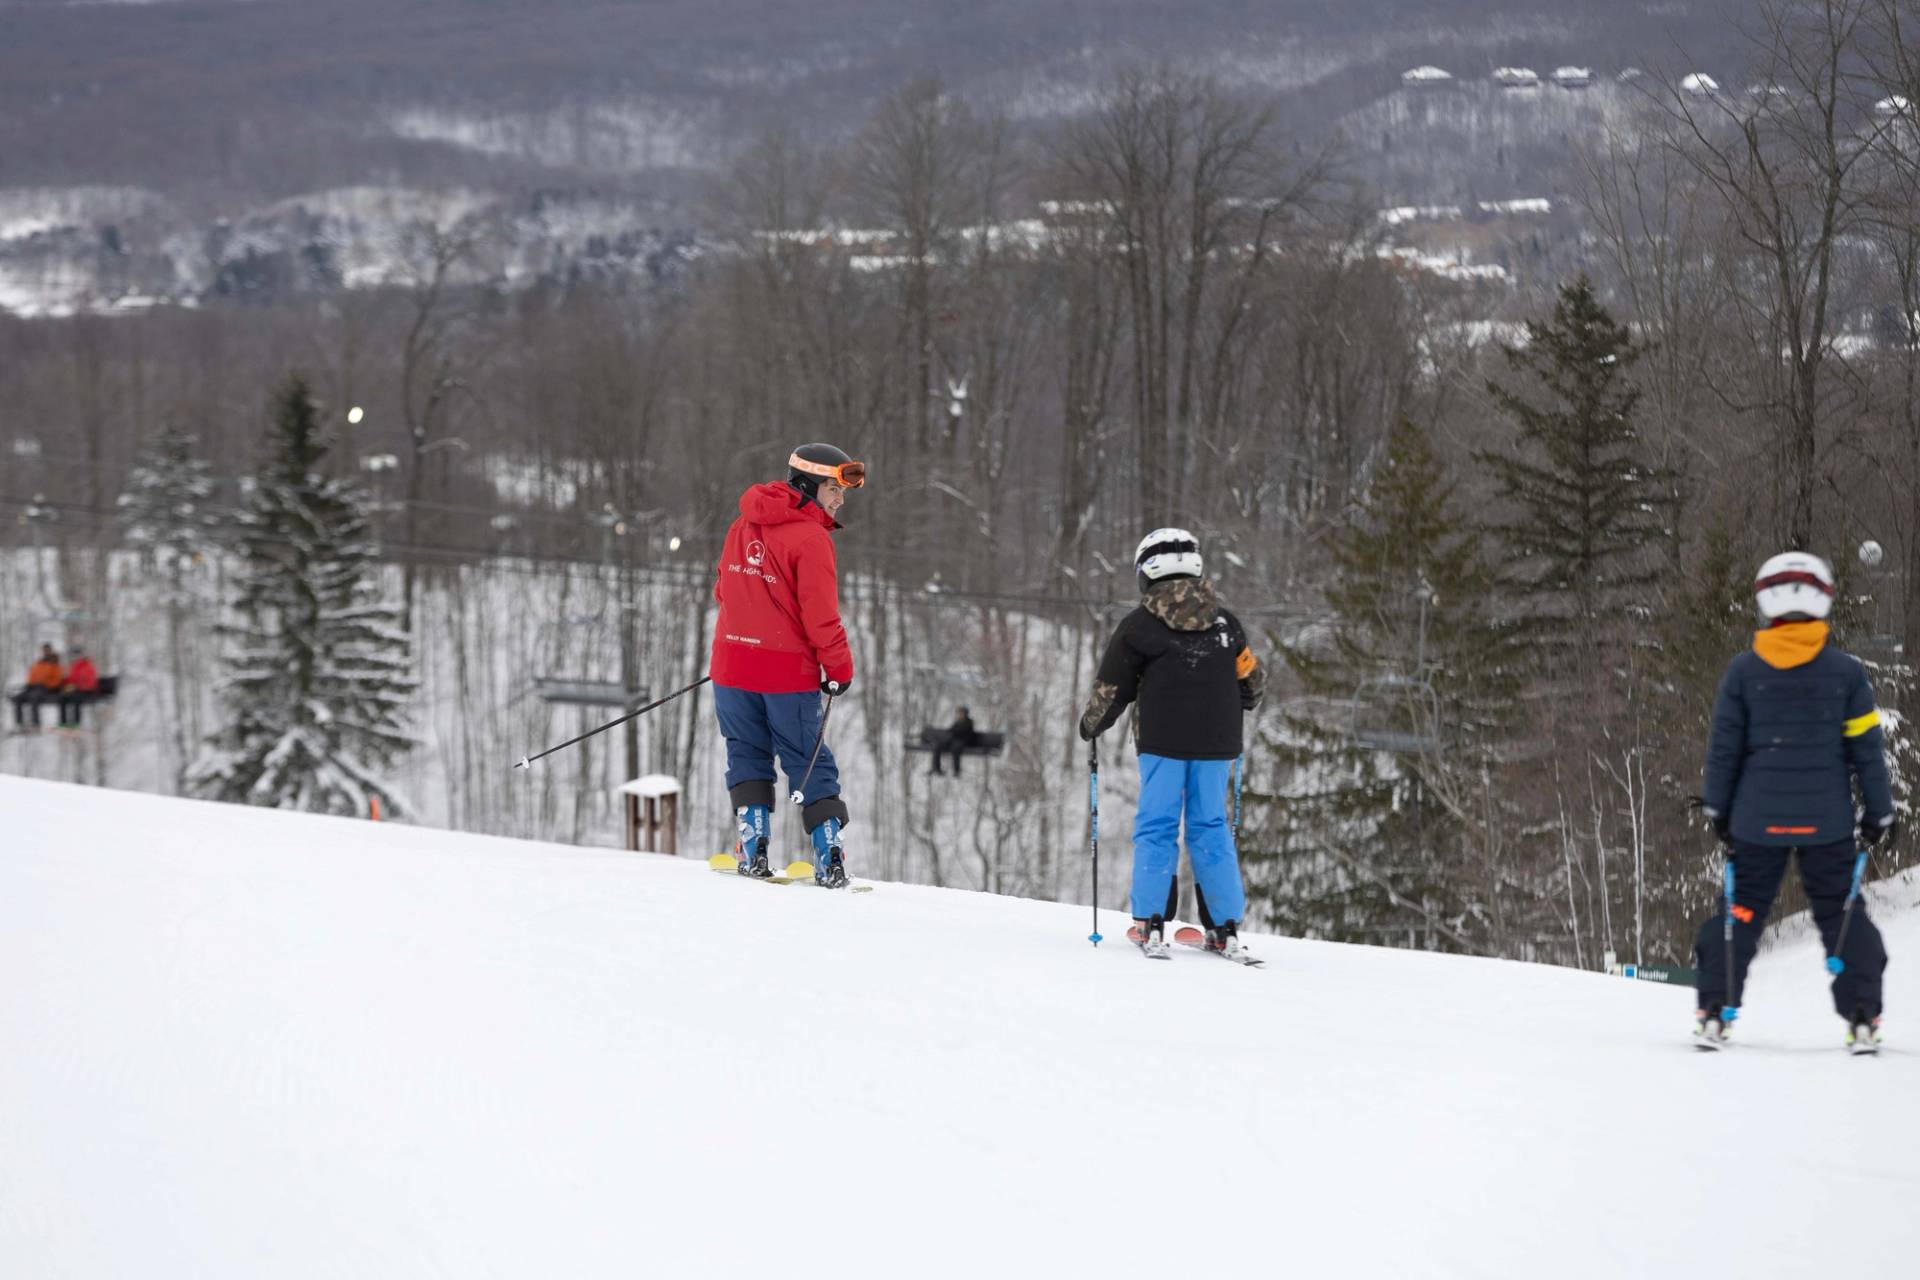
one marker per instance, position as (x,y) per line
(209,102)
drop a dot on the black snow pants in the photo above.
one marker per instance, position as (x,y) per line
(1826,872)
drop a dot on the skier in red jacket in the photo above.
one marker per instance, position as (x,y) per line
(777,646)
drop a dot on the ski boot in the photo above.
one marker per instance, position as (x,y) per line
(753,842)
(1150,936)
(1225,938)
(1863,1033)
(1709,1030)
(829,859)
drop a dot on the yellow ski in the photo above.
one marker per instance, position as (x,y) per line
(795,873)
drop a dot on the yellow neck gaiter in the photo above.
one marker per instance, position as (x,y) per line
(1790,644)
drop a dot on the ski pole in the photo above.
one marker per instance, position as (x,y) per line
(1093,830)
(1834,963)
(525,761)
(1238,782)
(800,792)
(1730,1010)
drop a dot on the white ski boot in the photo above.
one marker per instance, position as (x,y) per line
(1863,1036)
(1150,936)
(1709,1032)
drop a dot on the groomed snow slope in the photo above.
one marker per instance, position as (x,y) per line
(237,1043)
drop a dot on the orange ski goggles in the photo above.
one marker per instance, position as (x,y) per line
(848,475)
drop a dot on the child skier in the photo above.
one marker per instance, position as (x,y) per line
(1794,728)
(1186,663)
(778,644)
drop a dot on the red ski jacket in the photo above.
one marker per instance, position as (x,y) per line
(779,597)
(82,677)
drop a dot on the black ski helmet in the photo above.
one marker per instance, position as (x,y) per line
(808,465)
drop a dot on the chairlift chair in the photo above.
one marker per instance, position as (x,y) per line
(91,632)
(1396,713)
(962,685)
(582,690)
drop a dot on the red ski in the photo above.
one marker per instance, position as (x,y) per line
(1188,936)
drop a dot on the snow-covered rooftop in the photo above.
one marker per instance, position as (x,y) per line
(1447,268)
(651,786)
(1529,205)
(1425,75)
(1402,214)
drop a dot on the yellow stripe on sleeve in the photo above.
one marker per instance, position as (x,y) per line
(1860,724)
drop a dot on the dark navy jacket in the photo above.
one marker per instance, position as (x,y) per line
(1787,745)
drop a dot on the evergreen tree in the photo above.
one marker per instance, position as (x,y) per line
(1584,520)
(1379,827)
(1584,507)
(320,671)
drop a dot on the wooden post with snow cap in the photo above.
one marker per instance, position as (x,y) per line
(652,802)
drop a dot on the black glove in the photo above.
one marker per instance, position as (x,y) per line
(834,688)
(1719,821)
(1873,831)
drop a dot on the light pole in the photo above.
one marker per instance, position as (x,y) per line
(615,525)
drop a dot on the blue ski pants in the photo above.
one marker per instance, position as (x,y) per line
(758,725)
(1199,790)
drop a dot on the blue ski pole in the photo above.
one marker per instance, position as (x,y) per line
(1731,1009)
(1093,831)
(1834,963)
(1237,780)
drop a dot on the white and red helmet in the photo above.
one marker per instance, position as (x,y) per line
(1794,586)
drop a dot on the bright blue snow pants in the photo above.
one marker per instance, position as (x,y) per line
(756,725)
(1199,788)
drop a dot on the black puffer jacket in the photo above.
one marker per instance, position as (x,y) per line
(1186,662)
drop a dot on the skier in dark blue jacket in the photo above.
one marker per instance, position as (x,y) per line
(1794,729)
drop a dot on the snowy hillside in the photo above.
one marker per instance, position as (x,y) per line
(241,1043)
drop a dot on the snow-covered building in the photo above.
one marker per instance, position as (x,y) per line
(1425,77)
(1700,85)
(1535,206)
(1516,77)
(1573,77)
(1400,215)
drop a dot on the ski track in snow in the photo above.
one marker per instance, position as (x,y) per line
(239,1043)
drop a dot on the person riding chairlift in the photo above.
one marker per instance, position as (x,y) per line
(44,680)
(81,687)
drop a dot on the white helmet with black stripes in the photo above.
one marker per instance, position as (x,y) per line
(1168,553)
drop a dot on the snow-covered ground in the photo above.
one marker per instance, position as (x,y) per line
(240,1043)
